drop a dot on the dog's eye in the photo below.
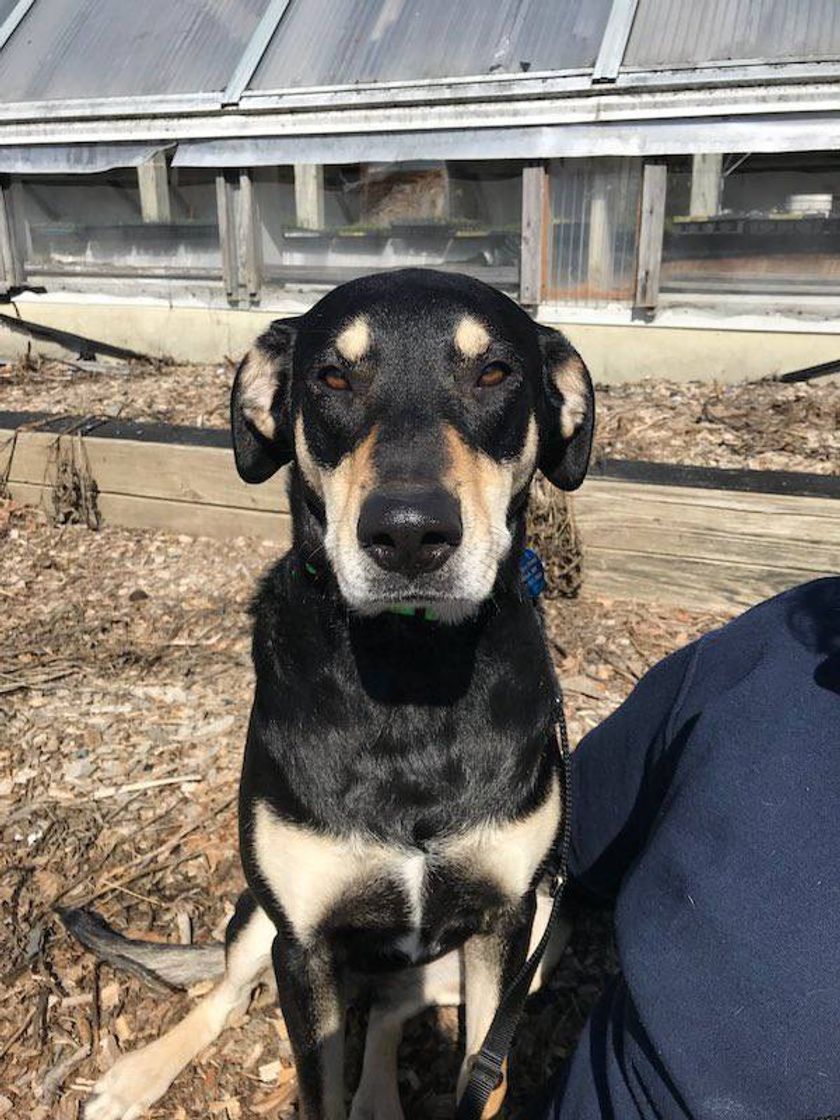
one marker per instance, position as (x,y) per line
(494,373)
(333,378)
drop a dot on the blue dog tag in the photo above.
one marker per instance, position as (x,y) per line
(533,573)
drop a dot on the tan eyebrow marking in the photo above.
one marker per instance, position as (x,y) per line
(354,341)
(471,337)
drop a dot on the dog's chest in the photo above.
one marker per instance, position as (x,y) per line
(394,904)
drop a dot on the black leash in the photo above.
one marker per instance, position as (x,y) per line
(486,1073)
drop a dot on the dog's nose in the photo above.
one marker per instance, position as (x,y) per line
(410,530)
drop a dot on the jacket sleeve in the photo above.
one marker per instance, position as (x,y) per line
(620,772)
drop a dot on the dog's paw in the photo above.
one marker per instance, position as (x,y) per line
(127,1090)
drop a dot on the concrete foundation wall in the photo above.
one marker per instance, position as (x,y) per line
(630,353)
(615,352)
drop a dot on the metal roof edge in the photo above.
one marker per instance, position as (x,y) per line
(175,118)
(784,79)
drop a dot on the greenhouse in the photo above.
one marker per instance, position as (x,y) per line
(660,178)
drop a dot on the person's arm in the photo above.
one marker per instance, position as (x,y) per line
(619,776)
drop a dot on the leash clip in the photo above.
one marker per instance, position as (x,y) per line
(558,882)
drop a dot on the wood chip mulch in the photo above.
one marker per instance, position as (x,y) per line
(763,425)
(759,425)
(125,686)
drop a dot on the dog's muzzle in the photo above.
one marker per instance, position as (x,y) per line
(410,530)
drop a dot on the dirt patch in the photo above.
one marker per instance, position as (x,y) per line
(125,687)
(765,425)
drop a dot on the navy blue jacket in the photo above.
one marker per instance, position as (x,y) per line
(708,808)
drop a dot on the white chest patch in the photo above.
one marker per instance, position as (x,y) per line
(308,872)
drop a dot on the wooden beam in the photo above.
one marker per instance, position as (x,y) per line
(687,475)
(309,195)
(706,183)
(218,522)
(694,584)
(716,478)
(534,230)
(173,472)
(153,182)
(225,210)
(614,41)
(651,234)
(249,239)
(12,272)
(702,548)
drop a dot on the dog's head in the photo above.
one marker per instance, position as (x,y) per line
(416,406)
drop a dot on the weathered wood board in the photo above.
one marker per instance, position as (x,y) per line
(182,473)
(174,487)
(702,547)
(697,547)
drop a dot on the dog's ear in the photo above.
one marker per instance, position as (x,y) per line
(260,404)
(568,414)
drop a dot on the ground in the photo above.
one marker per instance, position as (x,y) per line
(763,425)
(125,686)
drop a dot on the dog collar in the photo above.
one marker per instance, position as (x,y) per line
(412,612)
(530,568)
(533,573)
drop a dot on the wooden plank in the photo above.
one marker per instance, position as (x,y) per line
(227,235)
(219,522)
(250,239)
(309,195)
(651,234)
(531,252)
(698,547)
(810,558)
(11,265)
(801,523)
(698,584)
(702,548)
(643,471)
(201,475)
(650,473)
(706,184)
(614,41)
(781,505)
(153,184)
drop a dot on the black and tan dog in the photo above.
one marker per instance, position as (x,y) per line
(399,796)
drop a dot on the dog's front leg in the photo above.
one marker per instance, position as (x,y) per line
(312,999)
(491,961)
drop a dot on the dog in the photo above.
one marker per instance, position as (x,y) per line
(400,794)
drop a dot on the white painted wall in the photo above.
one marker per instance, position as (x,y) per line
(679,346)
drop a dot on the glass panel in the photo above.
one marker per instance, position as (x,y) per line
(753,223)
(341,42)
(344,221)
(670,33)
(593,229)
(6,9)
(94,225)
(120,48)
